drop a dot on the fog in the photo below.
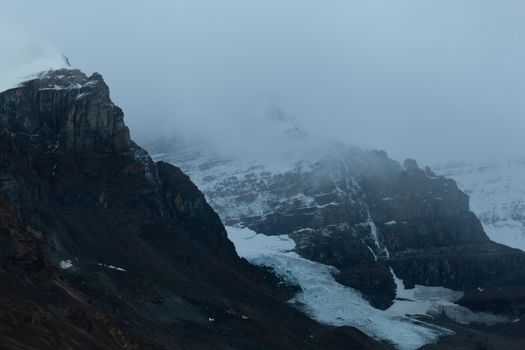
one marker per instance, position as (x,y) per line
(23,56)
(437,81)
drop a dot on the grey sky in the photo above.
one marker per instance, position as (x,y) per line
(434,80)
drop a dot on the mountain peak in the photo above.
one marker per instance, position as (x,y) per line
(67,108)
(278,117)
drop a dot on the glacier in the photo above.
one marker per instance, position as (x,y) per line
(497,197)
(324,299)
(329,302)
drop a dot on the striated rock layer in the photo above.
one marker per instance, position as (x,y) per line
(103,248)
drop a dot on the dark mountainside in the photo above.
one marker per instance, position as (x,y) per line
(364,214)
(103,248)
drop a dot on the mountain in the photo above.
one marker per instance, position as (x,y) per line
(103,248)
(497,196)
(325,245)
(360,233)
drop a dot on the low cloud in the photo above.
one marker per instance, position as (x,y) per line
(435,80)
(23,55)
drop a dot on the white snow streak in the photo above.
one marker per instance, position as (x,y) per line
(112,267)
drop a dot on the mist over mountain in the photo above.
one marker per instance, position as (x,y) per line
(24,56)
(251,174)
(436,81)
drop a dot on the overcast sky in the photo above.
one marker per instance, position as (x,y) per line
(433,80)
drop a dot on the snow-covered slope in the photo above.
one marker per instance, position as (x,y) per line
(497,196)
(240,188)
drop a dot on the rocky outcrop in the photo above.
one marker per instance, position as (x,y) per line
(68,109)
(132,254)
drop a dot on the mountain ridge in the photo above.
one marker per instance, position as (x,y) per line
(134,239)
(366,215)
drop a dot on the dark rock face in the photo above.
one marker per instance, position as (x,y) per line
(434,239)
(131,253)
(67,108)
(364,214)
(39,310)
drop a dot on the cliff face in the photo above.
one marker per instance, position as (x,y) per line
(364,214)
(434,239)
(68,108)
(127,241)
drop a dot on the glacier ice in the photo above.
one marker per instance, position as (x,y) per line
(324,299)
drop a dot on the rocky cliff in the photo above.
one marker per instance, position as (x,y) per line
(104,248)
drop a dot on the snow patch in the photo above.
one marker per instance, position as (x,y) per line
(73,86)
(436,301)
(508,232)
(112,267)
(66,264)
(81,96)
